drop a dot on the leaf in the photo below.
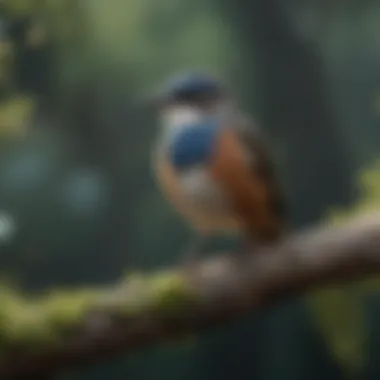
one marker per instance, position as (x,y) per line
(340,315)
(339,312)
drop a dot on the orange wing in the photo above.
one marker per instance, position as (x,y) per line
(250,192)
(199,219)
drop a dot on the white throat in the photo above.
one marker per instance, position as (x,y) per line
(176,117)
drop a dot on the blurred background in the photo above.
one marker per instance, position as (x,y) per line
(78,204)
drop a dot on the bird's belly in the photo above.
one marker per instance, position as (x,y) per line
(198,198)
(202,192)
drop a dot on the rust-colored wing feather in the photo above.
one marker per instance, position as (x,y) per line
(244,171)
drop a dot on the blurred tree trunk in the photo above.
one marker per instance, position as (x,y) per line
(294,108)
(294,104)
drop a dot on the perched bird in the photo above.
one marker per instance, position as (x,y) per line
(213,166)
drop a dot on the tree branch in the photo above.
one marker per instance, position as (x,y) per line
(62,331)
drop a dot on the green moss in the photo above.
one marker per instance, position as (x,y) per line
(22,323)
(64,309)
(28,327)
(170,292)
(166,291)
(36,323)
(131,297)
(32,323)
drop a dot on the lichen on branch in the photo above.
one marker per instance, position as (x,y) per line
(61,330)
(29,323)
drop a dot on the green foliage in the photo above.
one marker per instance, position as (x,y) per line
(369,182)
(15,113)
(20,7)
(165,36)
(28,322)
(339,311)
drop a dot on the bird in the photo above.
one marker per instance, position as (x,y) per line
(213,164)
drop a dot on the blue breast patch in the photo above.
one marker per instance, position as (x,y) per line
(194,145)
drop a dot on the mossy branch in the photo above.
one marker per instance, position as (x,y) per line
(64,330)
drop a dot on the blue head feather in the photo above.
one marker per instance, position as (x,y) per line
(193,86)
(194,82)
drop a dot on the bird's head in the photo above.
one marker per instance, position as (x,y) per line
(189,97)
